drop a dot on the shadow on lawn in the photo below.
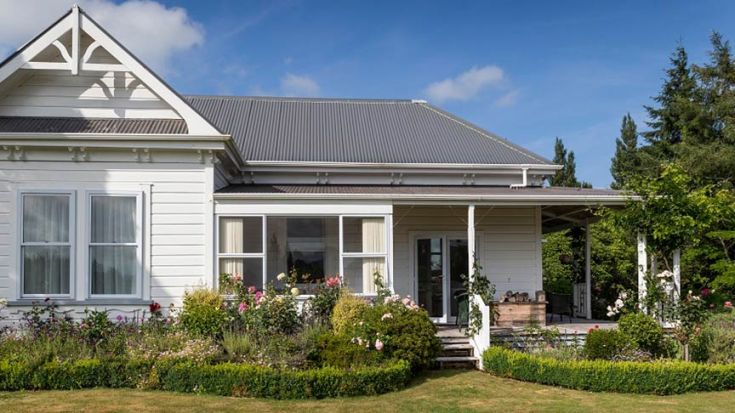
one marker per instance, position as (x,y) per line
(430,375)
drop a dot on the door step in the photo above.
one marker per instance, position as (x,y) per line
(457,362)
(457,351)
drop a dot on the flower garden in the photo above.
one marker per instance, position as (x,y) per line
(239,341)
(695,353)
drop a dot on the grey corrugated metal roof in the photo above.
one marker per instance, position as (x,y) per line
(420,190)
(355,131)
(84,125)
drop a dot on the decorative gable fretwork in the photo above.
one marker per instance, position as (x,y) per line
(76,69)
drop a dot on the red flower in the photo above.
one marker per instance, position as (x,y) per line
(705,292)
(333,282)
(154,308)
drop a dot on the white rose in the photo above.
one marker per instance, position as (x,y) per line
(295,292)
(281,277)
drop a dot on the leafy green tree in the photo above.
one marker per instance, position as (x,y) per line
(567,175)
(676,107)
(626,161)
(556,262)
(674,211)
(708,147)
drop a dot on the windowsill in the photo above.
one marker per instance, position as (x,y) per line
(25,302)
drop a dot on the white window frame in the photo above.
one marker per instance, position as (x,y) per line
(138,195)
(386,255)
(71,194)
(261,255)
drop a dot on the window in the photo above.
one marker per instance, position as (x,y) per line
(241,248)
(115,259)
(259,248)
(307,245)
(364,252)
(46,244)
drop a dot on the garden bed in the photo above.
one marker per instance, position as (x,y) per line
(257,344)
(657,377)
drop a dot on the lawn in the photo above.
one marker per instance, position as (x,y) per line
(445,391)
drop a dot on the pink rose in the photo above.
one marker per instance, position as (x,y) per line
(728,304)
(252,289)
(333,282)
(378,345)
(243,307)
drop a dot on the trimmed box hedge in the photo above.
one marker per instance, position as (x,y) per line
(659,377)
(226,379)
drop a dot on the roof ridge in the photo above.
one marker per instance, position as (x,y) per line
(486,134)
(297,99)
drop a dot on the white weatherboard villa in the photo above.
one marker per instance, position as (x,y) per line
(115,190)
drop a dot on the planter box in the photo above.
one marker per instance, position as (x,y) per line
(520,314)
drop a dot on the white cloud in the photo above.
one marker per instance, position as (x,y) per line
(299,85)
(508,99)
(466,85)
(151,30)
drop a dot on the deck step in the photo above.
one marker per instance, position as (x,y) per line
(457,362)
(458,346)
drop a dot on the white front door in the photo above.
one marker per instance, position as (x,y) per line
(440,259)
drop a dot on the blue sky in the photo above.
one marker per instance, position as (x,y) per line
(529,71)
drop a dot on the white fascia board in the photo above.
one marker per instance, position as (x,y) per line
(411,198)
(36,46)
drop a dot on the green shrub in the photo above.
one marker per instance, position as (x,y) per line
(658,377)
(347,312)
(604,344)
(643,332)
(221,379)
(340,351)
(716,343)
(399,328)
(238,345)
(203,313)
(410,334)
(252,381)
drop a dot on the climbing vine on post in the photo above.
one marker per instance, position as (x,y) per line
(478,286)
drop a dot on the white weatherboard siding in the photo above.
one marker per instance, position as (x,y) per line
(509,243)
(177,217)
(89,94)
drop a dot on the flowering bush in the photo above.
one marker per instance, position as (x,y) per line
(398,328)
(319,308)
(265,312)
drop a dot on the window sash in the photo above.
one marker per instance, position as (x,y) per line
(69,244)
(137,244)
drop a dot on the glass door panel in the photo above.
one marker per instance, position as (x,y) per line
(458,266)
(430,275)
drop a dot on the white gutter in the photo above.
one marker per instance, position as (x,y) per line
(531,199)
(40,136)
(353,165)
(525,180)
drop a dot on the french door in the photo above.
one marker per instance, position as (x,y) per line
(440,259)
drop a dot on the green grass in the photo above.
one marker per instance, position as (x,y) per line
(445,391)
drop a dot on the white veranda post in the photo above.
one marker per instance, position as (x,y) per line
(677,274)
(642,267)
(471,240)
(588,272)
